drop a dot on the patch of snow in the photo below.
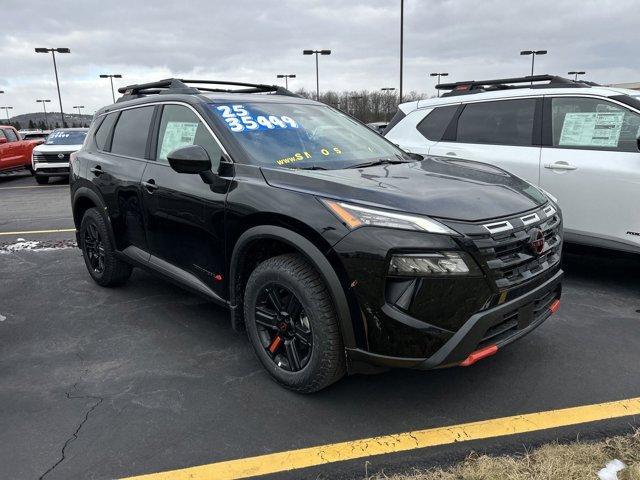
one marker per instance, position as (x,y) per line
(21,240)
(611,469)
(35,246)
(2,318)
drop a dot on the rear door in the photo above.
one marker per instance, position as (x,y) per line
(591,163)
(505,133)
(184,216)
(116,170)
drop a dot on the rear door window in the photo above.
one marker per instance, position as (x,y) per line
(132,132)
(436,122)
(11,135)
(104,131)
(592,123)
(504,122)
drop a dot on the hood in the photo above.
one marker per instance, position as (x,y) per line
(57,148)
(438,187)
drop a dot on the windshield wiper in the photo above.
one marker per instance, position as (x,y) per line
(312,167)
(382,161)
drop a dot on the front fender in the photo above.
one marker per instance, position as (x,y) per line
(314,256)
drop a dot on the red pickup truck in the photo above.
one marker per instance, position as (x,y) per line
(15,153)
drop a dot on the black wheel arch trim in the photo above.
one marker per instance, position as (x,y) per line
(312,254)
(86,192)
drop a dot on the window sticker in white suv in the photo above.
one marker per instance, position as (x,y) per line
(176,135)
(591,129)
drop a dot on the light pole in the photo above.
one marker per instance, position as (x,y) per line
(44,106)
(286,79)
(576,74)
(533,54)
(111,77)
(388,90)
(317,52)
(55,69)
(401,46)
(6,110)
(438,74)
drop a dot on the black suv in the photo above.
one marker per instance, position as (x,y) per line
(337,251)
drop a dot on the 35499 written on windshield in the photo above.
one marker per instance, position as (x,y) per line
(239,119)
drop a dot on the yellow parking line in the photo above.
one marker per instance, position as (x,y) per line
(338,452)
(35,232)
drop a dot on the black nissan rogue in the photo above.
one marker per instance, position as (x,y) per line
(333,248)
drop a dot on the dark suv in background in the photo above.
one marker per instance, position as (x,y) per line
(335,249)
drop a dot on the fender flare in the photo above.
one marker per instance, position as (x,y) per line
(85,192)
(313,255)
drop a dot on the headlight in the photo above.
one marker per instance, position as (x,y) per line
(427,264)
(355,216)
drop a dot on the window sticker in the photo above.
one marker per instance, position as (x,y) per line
(176,135)
(239,119)
(591,129)
(59,135)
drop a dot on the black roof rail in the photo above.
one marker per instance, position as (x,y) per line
(477,86)
(179,85)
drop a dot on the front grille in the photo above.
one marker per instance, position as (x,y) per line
(50,157)
(509,256)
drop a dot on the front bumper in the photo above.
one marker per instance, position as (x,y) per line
(494,327)
(45,169)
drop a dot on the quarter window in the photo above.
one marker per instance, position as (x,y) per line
(505,122)
(435,124)
(104,130)
(132,131)
(11,135)
(593,123)
(180,127)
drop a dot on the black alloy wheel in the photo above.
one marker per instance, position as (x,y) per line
(94,248)
(283,327)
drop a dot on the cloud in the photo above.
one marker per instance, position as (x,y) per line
(253,41)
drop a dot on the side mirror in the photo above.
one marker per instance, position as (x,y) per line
(190,159)
(3,140)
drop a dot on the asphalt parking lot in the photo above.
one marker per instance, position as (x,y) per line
(109,383)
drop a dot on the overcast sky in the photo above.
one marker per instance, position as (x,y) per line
(255,40)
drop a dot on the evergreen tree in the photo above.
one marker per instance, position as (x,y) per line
(32,125)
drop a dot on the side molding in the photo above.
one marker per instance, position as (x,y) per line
(312,254)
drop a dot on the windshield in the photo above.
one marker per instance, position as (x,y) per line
(66,137)
(302,136)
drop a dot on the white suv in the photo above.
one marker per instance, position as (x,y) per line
(577,140)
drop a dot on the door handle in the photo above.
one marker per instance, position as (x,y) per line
(150,185)
(97,170)
(560,166)
(451,154)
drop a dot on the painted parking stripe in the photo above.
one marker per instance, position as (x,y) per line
(34,186)
(36,232)
(338,452)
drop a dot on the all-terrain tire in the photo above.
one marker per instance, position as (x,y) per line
(114,271)
(327,363)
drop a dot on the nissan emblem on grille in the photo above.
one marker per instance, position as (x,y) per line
(536,241)
(61,156)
